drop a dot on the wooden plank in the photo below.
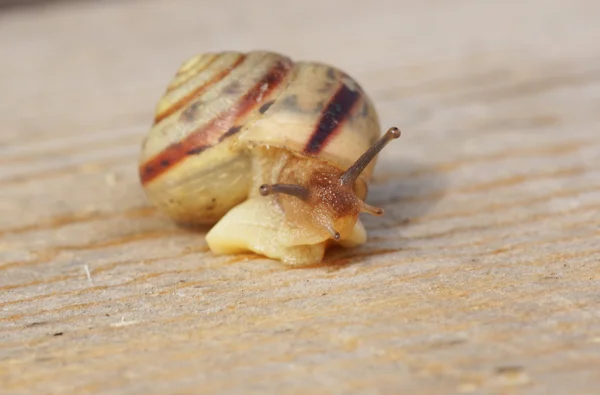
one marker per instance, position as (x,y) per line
(483,275)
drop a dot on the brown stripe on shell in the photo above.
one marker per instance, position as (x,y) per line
(332,117)
(263,109)
(197,92)
(213,132)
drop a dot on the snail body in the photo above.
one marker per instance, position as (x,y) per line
(276,154)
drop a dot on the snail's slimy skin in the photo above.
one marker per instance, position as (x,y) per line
(285,227)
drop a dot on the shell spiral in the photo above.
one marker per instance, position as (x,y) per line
(196,161)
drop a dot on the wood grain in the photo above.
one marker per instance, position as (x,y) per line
(482,277)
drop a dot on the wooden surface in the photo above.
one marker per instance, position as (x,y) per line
(483,276)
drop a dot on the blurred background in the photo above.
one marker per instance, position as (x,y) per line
(483,272)
(476,77)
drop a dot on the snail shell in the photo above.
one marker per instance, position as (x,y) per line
(264,147)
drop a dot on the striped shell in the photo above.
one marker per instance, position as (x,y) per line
(262,97)
(199,159)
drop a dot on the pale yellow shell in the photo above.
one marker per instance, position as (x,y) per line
(227,123)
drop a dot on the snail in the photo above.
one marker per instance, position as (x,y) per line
(274,154)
